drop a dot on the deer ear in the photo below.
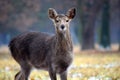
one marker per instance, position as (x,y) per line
(52,13)
(71,13)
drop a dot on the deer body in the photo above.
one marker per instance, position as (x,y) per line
(43,51)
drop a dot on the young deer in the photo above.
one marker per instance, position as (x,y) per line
(43,51)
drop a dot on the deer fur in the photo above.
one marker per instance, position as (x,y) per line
(43,51)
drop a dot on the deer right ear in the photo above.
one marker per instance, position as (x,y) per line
(52,13)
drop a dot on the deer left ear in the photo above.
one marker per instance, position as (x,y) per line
(71,13)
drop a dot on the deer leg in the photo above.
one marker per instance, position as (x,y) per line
(24,73)
(63,76)
(52,74)
(18,75)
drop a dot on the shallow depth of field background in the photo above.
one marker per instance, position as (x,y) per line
(95,33)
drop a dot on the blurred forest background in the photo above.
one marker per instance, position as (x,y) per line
(95,32)
(97,21)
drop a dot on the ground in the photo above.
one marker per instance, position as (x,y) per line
(88,65)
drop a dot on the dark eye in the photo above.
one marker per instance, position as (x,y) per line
(67,20)
(57,20)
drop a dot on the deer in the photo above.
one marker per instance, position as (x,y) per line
(40,50)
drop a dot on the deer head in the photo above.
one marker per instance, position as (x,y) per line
(61,21)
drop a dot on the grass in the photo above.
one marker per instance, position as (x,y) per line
(86,66)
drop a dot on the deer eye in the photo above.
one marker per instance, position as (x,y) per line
(67,20)
(57,20)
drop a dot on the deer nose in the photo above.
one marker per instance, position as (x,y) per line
(62,26)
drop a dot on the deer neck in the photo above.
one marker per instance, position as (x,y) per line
(64,41)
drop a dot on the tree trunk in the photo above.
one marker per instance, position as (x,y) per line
(105,34)
(119,23)
(88,15)
(119,40)
(88,34)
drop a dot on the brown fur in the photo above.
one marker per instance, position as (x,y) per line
(43,51)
